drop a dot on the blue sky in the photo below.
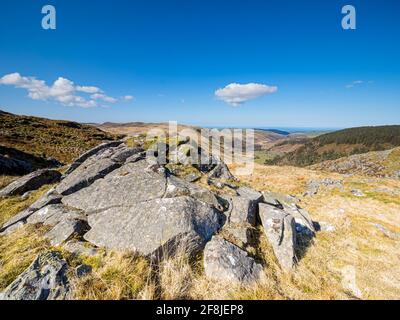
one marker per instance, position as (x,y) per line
(173,55)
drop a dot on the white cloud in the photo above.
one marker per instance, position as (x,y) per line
(236,94)
(63,91)
(88,89)
(358,83)
(128,98)
(102,96)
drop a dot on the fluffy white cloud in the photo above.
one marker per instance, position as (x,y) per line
(62,90)
(88,89)
(236,94)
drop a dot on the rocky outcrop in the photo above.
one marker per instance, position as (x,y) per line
(226,262)
(314,186)
(91,153)
(280,229)
(95,167)
(32,181)
(151,227)
(45,279)
(113,197)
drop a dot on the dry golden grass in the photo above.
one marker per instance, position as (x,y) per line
(9,207)
(17,252)
(356,243)
(6,180)
(115,276)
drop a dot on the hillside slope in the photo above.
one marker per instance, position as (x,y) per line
(41,138)
(340,144)
(375,163)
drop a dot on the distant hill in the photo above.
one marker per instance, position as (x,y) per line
(281,132)
(340,144)
(36,139)
(375,163)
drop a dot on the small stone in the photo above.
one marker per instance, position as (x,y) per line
(223,261)
(83,270)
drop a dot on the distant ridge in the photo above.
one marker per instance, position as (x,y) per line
(342,143)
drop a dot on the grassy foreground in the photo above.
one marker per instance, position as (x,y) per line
(357,260)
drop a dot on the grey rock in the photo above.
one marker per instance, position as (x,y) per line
(271,199)
(82,270)
(304,223)
(32,181)
(95,167)
(26,195)
(357,193)
(16,222)
(153,226)
(91,153)
(21,218)
(226,262)
(241,210)
(66,230)
(124,187)
(10,166)
(80,248)
(45,279)
(280,229)
(221,171)
(314,186)
(54,214)
(85,175)
(51,197)
(177,187)
(242,233)
(387,233)
(250,194)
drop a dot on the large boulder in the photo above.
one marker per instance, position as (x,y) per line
(226,262)
(128,185)
(155,226)
(91,153)
(280,229)
(32,181)
(45,279)
(94,168)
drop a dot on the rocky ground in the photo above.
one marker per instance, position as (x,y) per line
(120,225)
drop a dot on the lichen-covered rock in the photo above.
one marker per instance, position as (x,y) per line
(65,230)
(242,210)
(32,181)
(226,262)
(250,194)
(150,227)
(280,229)
(88,172)
(54,214)
(177,187)
(91,153)
(126,186)
(45,279)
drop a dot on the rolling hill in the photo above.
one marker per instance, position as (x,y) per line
(343,143)
(35,140)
